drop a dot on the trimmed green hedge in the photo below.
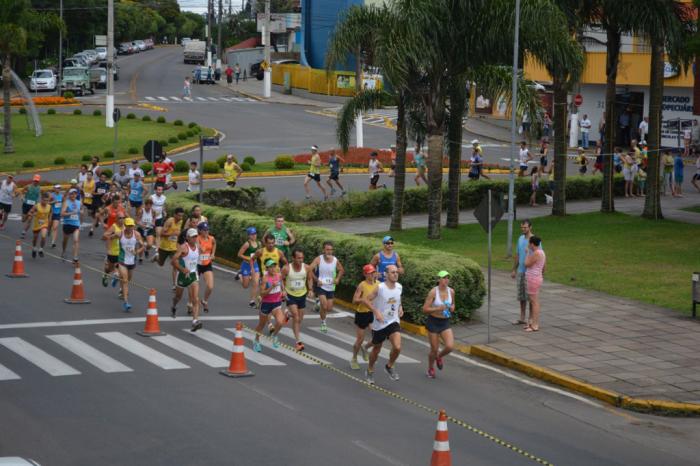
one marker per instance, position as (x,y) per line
(421,264)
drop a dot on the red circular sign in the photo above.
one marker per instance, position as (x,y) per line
(578,100)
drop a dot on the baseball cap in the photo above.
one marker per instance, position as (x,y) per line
(73,181)
(73,190)
(373,154)
(386,239)
(203,226)
(314,147)
(369,268)
(251,230)
(129,222)
(57,186)
(191,232)
(36,178)
(475,141)
(443,274)
(270,263)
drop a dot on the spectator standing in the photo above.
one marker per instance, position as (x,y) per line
(696,176)
(601,129)
(585,125)
(687,140)
(627,162)
(546,126)
(598,164)
(544,161)
(624,124)
(524,157)
(643,129)
(617,160)
(419,161)
(229,75)
(237,72)
(535,264)
(678,174)
(534,185)
(519,269)
(667,162)
(193,177)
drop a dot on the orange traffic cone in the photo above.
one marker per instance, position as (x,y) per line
(77,294)
(18,264)
(441,446)
(152,327)
(237,368)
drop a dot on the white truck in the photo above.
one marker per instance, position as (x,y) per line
(195,52)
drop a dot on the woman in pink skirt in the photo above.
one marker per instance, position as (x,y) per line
(534,263)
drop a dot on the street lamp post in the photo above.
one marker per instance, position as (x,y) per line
(513,117)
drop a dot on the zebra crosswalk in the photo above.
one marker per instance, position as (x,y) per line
(115,352)
(198,99)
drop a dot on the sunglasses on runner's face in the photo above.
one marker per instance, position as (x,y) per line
(389,242)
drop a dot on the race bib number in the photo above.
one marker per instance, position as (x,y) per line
(297,284)
(276,289)
(327,281)
(101,191)
(41,221)
(203,258)
(191,265)
(130,249)
(29,202)
(74,217)
(88,195)
(172,238)
(391,312)
(279,241)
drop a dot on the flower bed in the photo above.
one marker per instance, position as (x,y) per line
(54,100)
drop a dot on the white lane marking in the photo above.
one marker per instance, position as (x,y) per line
(349,339)
(227,99)
(377,453)
(213,99)
(201,98)
(126,320)
(139,349)
(238,99)
(177,99)
(248,335)
(92,355)
(7,374)
(38,357)
(321,345)
(148,97)
(192,351)
(162,98)
(227,344)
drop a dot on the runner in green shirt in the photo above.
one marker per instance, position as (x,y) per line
(284,237)
(31,198)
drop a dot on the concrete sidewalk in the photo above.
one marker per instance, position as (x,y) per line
(254,89)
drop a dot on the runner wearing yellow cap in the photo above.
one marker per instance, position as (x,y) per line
(130,246)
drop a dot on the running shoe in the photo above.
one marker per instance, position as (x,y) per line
(439,363)
(33,254)
(140,260)
(105,280)
(324,327)
(354,365)
(145,253)
(205,306)
(299,346)
(41,253)
(270,328)
(120,294)
(126,306)
(431,373)
(90,233)
(332,191)
(173,311)
(275,342)
(393,375)
(196,326)
(237,277)
(76,260)
(369,377)
(257,347)
(53,245)
(155,257)
(115,280)
(251,303)
(365,355)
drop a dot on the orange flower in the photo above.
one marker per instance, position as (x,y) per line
(53,100)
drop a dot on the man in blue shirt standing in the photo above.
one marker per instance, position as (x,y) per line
(518,271)
(678,174)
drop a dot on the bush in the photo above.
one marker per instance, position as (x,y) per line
(181,136)
(250,160)
(421,264)
(246,167)
(130,116)
(283,162)
(146,118)
(161,119)
(108,173)
(77,111)
(196,130)
(22,111)
(86,158)
(146,167)
(51,111)
(59,161)
(221,161)
(108,154)
(189,133)
(68,95)
(164,143)
(133,150)
(210,167)
(191,124)
(249,198)
(177,122)
(172,140)
(181,166)
(28,164)
(97,112)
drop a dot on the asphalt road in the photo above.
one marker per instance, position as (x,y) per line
(79,387)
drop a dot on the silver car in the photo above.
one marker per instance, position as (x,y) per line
(43,80)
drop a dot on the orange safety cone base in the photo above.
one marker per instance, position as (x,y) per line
(234,375)
(16,275)
(76,301)
(144,333)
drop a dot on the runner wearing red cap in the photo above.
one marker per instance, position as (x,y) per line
(363,313)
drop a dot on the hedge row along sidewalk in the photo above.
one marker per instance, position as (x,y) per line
(421,264)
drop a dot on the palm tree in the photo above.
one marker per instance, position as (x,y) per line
(17,21)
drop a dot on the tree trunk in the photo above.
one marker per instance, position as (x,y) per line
(400,171)
(435,145)
(612,59)
(7,110)
(560,147)
(458,103)
(652,203)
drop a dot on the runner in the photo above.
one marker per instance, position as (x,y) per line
(121,179)
(134,169)
(524,157)
(88,187)
(298,284)
(231,171)
(158,199)
(146,227)
(196,216)
(184,264)
(478,160)
(113,208)
(162,168)
(207,252)
(363,313)
(170,169)
(272,294)
(98,201)
(250,272)
(392,158)
(386,257)
(56,203)
(95,166)
(130,247)
(70,217)
(419,161)
(40,215)
(375,167)
(111,237)
(284,237)
(328,271)
(137,191)
(439,305)
(168,240)
(32,193)
(194,178)
(82,174)
(314,174)
(8,191)
(387,309)
(334,165)
(269,251)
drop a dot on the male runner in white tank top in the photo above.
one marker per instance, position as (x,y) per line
(327,274)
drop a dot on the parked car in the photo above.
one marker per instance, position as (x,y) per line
(140,44)
(257,71)
(204,77)
(101,53)
(124,49)
(74,62)
(17,461)
(98,77)
(115,68)
(77,80)
(185,40)
(92,54)
(85,58)
(149,44)
(42,80)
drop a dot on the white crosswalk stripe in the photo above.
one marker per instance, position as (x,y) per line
(214,99)
(227,344)
(248,335)
(173,98)
(177,99)
(350,340)
(201,98)
(148,97)
(92,355)
(38,357)
(195,352)
(7,374)
(139,349)
(163,98)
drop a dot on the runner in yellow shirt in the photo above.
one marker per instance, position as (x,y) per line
(363,314)
(168,239)
(298,283)
(231,171)
(314,174)
(40,214)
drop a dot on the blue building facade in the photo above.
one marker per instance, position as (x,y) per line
(318,20)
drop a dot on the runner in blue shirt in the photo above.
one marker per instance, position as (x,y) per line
(137,191)
(56,204)
(70,217)
(386,257)
(334,165)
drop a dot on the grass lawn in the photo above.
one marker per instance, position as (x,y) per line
(695,208)
(617,254)
(72,136)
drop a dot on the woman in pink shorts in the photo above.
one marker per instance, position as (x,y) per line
(534,263)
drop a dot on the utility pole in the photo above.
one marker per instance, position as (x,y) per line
(218,40)
(209,15)
(60,49)
(267,87)
(109,107)
(513,107)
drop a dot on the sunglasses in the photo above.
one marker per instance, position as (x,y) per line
(389,242)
